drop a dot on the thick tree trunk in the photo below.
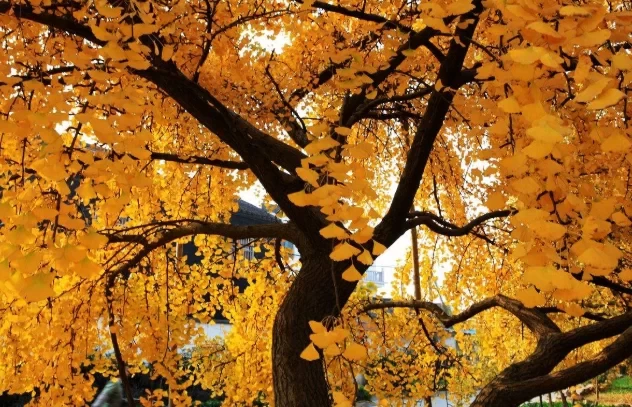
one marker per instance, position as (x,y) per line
(312,297)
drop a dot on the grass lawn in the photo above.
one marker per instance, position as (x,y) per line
(622,384)
(545,403)
(619,392)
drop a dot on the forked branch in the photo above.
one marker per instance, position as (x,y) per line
(285,231)
(536,321)
(446,228)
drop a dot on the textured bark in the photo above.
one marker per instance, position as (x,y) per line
(312,297)
(522,381)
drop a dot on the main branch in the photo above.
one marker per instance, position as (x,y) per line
(428,128)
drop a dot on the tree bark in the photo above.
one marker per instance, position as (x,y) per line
(563,397)
(525,380)
(312,297)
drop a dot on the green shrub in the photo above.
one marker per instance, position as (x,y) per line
(363,394)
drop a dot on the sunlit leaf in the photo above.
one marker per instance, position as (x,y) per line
(351,274)
(355,351)
(343,251)
(310,353)
(531,298)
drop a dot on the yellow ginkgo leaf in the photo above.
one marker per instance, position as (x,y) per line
(526,185)
(530,297)
(71,223)
(42,213)
(322,339)
(101,33)
(573,309)
(545,133)
(139,64)
(37,287)
(339,334)
(544,28)
(541,277)
(538,149)
(333,231)
(378,248)
(436,23)
(5,271)
(363,235)
(551,59)
(6,211)
(167,53)
(602,209)
(86,268)
(28,262)
(343,251)
(365,258)
(526,56)
(355,351)
(340,400)
(621,60)
(300,198)
(351,274)
(309,175)
(609,98)
(495,201)
(616,143)
(626,275)
(459,7)
(509,105)
(344,131)
(579,291)
(596,257)
(592,90)
(591,39)
(106,11)
(93,240)
(621,219)
(548,230)
(321,144)
(572,11)
(71,253)
(317,327)
(50,170)
(332,350)
(310,353)
(20,235)
(144,29)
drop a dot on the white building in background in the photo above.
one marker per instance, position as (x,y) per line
(375,275)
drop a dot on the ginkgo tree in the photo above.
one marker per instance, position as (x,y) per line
(128,126)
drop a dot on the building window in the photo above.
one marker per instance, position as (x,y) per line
(375,275)
(246,248)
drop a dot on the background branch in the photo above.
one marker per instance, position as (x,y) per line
(535,320)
